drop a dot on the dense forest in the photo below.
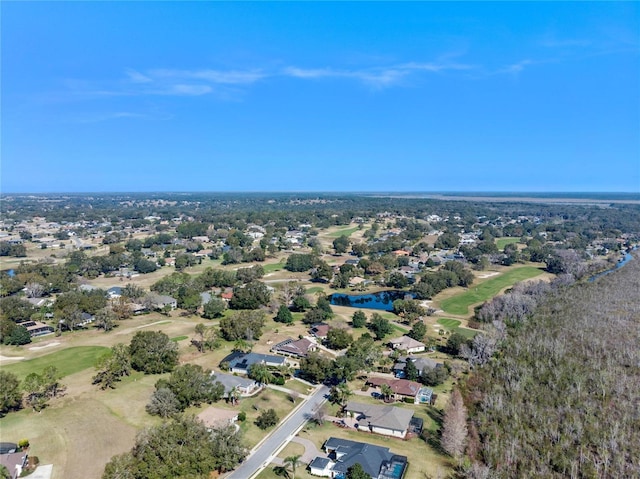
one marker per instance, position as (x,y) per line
(560,398)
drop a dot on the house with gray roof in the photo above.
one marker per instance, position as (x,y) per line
(380,419)
(421,364)
(245,386)
(240,362)
(377,461)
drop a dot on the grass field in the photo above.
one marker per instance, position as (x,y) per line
(179,338)
(68,361)
(502,242)
(459,304)
(344,232)
(453,325)
(272,267)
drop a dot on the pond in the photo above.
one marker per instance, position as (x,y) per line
(382,300)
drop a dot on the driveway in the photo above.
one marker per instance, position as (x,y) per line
(264,453)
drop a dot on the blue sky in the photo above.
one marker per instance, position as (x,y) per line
(330,96)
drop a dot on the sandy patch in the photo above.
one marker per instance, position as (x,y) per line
(15,358)
(153,324)
(488,275)
(48,345)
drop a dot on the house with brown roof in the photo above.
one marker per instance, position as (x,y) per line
(299,348)
(402,388)
(319,330)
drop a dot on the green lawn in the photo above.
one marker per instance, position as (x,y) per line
(314,290)
(68,361)
(270,268)
(502,242)
(345,232)
(449,323)
(179,338)
(459,304)
(453,325)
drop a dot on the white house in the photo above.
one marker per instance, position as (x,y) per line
(405,343)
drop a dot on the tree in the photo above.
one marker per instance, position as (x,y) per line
(284,315)
(380,326)
(300,304)
(242,325)
(315,368)
(112,366)
(35,396)
(14,334)
(267,418)
(357,472)
(260,373)
(410,371)
(418,331)
(10,394)
(105,319)
(322,272)
(455,342)
(4,472)
(299,262)
(200,330)
(340,393)
(213,308)
(250,296)
(454,425)
(340,244)
(359,319)
(192,385)
(195,451)
(292,462)
(386,391)
(338,338)
(163,403)
(153,352)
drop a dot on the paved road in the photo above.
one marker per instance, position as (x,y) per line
(262,456)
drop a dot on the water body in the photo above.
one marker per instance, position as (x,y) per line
(625,259)
(382,300)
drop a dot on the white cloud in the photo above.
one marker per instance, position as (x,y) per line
(137,77)
(187,90)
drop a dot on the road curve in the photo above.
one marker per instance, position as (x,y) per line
(264,453)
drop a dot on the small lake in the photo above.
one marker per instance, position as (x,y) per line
(382,300)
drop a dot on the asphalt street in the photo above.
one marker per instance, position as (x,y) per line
(265,452)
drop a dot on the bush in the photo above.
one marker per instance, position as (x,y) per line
(267,419)
(242,416)
(23,443)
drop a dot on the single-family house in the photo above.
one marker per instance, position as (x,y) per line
(114,292)
(245,386)
(380,419)
(299,348)
(377,461)
(36,328)
(240,362)
(405,343)
(402,388)
(420,363)
(159,301)
(14,462)
(319,330)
